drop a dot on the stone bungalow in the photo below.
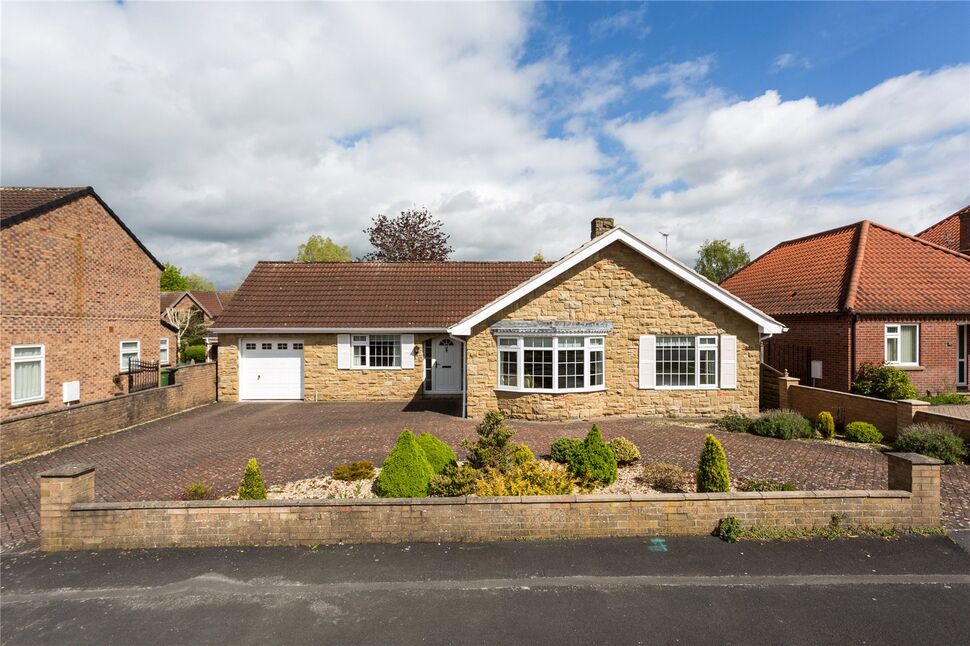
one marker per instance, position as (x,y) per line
(614,328)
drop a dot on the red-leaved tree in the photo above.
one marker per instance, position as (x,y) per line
(415,235)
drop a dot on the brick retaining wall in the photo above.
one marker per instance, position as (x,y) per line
(960,426)
(29,434)
(70,520)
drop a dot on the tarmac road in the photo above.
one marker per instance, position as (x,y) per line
(615,591)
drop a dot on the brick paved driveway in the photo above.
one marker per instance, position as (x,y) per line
(294,440)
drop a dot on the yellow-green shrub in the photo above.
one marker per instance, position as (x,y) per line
(527,479)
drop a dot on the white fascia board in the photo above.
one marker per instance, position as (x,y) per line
(766,324)
(327,330)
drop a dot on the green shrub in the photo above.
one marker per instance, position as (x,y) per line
(520,454)
(884,382)
(193,354)
(825,425)
(361,470)
(438,453)
(252,486)
(734,423)
(197,491)
(712,468)
(862,432)
(527,479)
(946,399)
(782,424)
(406,472)
(562,450)
(494,446)
(625,451)
(455,480)
(767,485)
(666,477)
(593,464)
(729,529)
(934,440)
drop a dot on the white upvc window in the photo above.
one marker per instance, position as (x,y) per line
(27,371)
(376,350)
(551,364)
(129,351)
(684,362)
(902,344)
(163,352)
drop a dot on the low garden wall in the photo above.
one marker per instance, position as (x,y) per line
(71,520)
(26,435)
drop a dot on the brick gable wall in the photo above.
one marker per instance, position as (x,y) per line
(75,281)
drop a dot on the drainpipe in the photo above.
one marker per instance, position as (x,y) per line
(855,320)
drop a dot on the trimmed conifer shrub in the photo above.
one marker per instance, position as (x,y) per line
(625,451)
(825,425)
(862,432)
(562,450)
(438,453)
(492,447)
(252,486)
(406,472)
(594,465)
(712,468)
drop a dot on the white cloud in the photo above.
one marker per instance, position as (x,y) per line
(788,59)
(633,20)
(227,133)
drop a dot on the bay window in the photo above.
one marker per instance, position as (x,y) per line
(686,362)
(376,350)
(551,364)
(27,368)
(902,344)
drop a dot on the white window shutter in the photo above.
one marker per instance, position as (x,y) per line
(729,361)
(648,361)
(343,351)
(407,350)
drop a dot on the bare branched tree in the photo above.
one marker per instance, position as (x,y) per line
(187,322)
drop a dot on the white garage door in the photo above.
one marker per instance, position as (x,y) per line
(271,369)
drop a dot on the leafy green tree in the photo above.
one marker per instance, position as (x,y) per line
(538,257)
(197,283)
(172,279)
(718,259)
(320,249)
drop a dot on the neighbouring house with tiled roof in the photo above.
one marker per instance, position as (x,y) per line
(614,328)
(863,293)
(79,295)
(207,304)
(952,232)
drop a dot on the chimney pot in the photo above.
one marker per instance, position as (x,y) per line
(599,226)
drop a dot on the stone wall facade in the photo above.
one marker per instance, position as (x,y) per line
(76,282)
(29,434)
(620,286)
(70,520)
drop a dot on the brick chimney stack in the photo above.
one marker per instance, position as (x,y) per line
(964,242)
(599,226)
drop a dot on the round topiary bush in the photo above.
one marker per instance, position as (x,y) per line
(438,453)
(782,424)
(825,425)
(862,432)
(252,486)
(625,451)
(562,450)
(712,468)
(406,472)
(934,440)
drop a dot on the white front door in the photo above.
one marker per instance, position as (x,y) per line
(963,354)
(271,369)
(447,366)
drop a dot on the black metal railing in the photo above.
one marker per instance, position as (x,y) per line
(142,375)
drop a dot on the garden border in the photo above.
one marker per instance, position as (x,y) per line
(71,520)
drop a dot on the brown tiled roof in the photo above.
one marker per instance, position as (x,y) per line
(862,267)
(212,302)
(168,299)
(370,294)
(23,200)
(946,232)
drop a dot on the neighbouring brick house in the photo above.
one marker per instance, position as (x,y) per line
(614,328)
(952,232)
(864,293)
(79,297)
(209,306)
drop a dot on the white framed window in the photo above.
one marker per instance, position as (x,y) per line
(297,346)
(902,344)
(27,371)
(129,351)
(376,350)
(686,362)
(551,364)
(250,346)
(266,346)
(163,352)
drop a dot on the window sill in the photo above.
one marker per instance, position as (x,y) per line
(683,388)
(540,391)
(376,368)
(32,402)
(908,367)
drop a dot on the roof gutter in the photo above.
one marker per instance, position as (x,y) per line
(326,330)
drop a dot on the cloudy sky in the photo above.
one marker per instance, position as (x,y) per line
(227,133)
